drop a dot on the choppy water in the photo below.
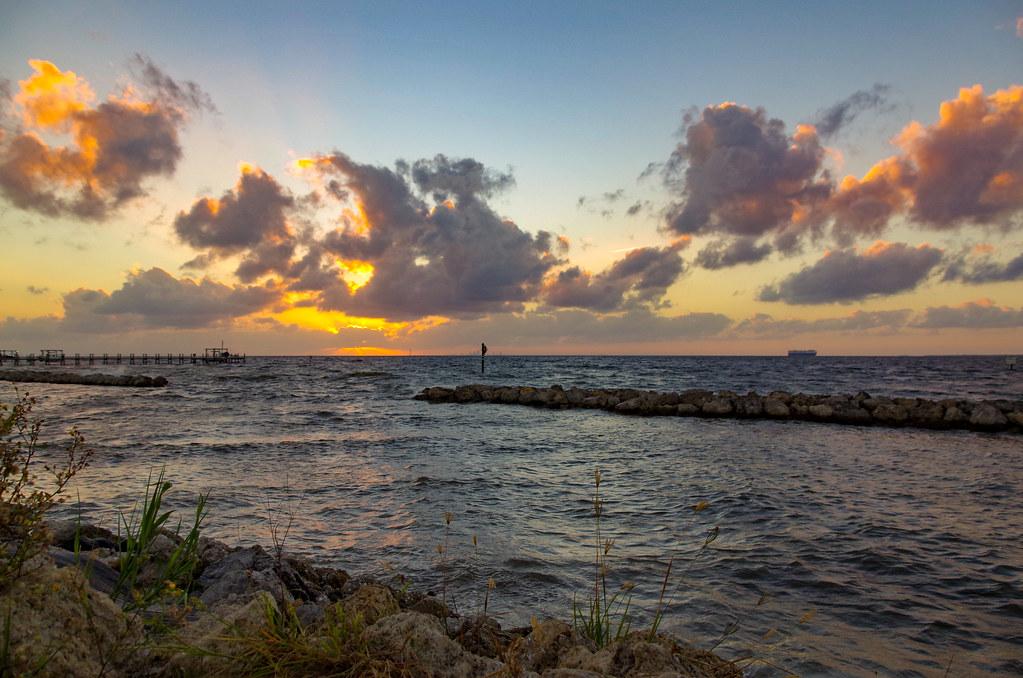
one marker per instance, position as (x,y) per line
(868,551)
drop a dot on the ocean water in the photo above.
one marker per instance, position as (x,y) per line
(840,550)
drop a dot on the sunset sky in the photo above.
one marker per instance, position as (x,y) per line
(374,178)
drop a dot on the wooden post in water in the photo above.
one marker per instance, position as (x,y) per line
(483,358)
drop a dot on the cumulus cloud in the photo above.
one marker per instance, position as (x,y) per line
(424,241)
(641,277)
(967,168)
(981,314)
(155,299)
(831,120)
(252,217)
(850,275)
(741,173)
(158,299)
(724,253)
(114,146)
(986,269)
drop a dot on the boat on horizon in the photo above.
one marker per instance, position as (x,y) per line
(802,353)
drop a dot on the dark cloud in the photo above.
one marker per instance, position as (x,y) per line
(641,277)
(763,325)
(450,256)
(464,179)
(252,218)
(986,269)
(156,299)
(115,146)
(741,173)
(724,253)
(829,121)
(184,94)
(849,275)
(981,314)
(32,289)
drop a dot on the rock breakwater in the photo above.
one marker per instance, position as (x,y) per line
(32,376)
(861,409)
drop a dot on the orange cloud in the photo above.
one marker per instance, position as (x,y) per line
(964,168)
(51,97)
(113,146)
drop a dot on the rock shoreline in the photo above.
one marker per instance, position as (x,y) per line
(860,409)
(400,632)
(33,376)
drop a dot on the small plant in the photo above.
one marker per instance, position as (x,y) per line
(25,496)
(283,646)
(662,602)
(606,616)
(141,529)
(280,526)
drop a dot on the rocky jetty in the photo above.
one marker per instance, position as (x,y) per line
(861,409)
(38,377)
(248,605)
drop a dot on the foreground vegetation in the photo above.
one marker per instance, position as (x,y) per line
(152,599)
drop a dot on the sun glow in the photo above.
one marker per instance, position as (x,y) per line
(356,220)
(368,351)
(356,273)
(297,309)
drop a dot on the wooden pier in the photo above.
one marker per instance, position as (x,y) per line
(53,356)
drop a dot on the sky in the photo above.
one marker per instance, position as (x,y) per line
(550,178)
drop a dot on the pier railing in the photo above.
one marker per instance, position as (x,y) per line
(56,357)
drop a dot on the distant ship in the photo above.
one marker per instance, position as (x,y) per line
(803,352)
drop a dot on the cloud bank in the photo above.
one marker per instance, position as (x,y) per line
(849,275)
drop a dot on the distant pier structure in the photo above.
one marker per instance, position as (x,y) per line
(221,355)
(57,356)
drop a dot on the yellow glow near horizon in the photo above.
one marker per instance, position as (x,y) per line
(368,351)
(311,318)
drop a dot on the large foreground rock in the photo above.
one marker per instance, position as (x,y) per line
(420,642)
(63,627)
